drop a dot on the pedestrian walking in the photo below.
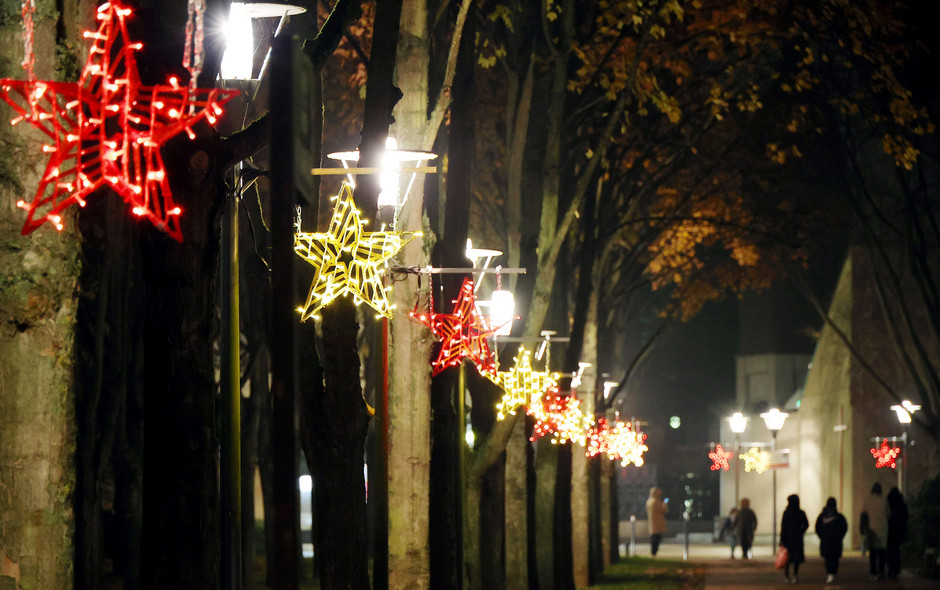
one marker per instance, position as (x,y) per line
(727,532)
(831,528)
(656,516)
(873,524)
(793,526)
(897,531)
(744,527)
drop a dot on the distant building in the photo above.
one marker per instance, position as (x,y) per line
(835,412)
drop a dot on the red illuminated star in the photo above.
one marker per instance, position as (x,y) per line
(886,455)
(463,333)
(720,458)
(107,129)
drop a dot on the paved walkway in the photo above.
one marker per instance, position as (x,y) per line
(759,573)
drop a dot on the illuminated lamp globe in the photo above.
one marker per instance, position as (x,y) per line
(502,312)
(390,177)
(238,59)
(774,419)
(738,422)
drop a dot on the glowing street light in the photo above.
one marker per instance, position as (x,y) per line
(238,59)
(608,387)
(737,422)
(774,420)
(390,171)
(904,411)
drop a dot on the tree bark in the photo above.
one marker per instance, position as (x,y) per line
(517,558)
(546,470)
(37,323)
(410,344)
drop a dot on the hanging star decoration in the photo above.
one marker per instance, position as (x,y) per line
(720,458)
(463,333)
(753,460)
(107,129)
(886,455)
(521,384)
(627,445)
(598,438)
(619,443)
(561,416)
(348,260)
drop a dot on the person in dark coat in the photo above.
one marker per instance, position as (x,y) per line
(792,527)
(831,528)
(873,523)
(744,526)
(897,530)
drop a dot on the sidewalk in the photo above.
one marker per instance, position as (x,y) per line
(759,573)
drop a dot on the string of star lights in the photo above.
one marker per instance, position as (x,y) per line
(463,333)
(720,458)
(348,260)
(625,444)
(561,416)
(886,455)
(753,460)
(521,384)
(107,129)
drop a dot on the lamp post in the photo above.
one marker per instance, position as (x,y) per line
(774,420)
(904,411)
(738,423)
(238,55)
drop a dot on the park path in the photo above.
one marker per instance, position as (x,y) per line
(759,574)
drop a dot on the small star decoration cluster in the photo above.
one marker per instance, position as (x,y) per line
(720,458)
(561,416)
(886,455)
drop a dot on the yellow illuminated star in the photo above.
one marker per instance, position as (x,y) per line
(753,460)
(521,385)
(347,260)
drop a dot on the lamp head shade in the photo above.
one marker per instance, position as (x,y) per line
(774,419)
(275,9)
(738,422)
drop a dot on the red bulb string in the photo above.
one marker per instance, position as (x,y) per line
(463,333)
(107,129)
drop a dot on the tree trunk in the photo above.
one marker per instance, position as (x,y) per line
(446,523)
(517,559)
(180,502)
(546,470)
(410,345)
(471,534)
(37,323)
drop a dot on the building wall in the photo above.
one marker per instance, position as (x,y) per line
(838,391)
(764,381)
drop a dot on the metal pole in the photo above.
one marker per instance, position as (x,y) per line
(902,468)
(230,389)
(284,564)
(461,466)
(737,468)
(841,451)
(685,534)
(378,468)
(632,551)
(773,538)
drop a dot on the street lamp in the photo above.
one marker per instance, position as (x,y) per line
(390,172)
(774,420)
(238,58)
(738,423)
(904,411)
(237,63)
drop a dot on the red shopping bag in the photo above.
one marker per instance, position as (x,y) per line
(783,558)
